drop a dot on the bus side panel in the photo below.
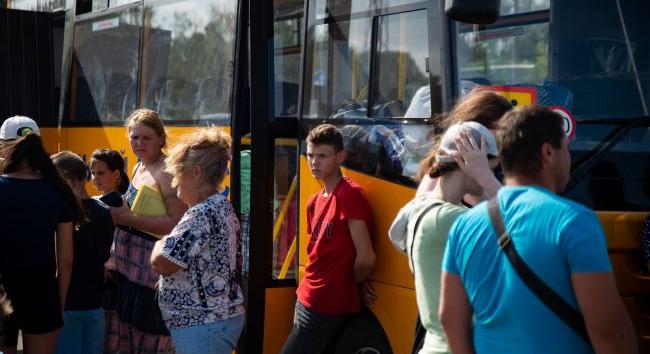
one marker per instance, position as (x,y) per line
(396,310)
(278,317)
(83,141)
(50,137)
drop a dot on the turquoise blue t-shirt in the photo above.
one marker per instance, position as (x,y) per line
(555,237)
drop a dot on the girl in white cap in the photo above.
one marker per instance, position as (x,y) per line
(37,217)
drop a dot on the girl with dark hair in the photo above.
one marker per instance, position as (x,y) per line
(83,332)
(482,106)
(108,172)
(37,217)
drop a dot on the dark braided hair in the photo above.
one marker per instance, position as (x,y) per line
(29,150)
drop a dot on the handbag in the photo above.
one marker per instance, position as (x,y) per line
(562,309)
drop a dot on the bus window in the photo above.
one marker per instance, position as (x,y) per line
(188,59)
(104,76)
(285,209)
(338,63)
(402,48)
(287,39)
(513,55)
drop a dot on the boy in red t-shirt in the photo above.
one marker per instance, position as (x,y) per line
(339,250)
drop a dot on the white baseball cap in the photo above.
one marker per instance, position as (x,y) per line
(18,126)
(478,131)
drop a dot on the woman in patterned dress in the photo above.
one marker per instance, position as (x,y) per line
(138,326)
(200,260)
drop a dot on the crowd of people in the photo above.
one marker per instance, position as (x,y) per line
(88,274)
(498,268)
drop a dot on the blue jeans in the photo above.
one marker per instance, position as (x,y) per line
(82,332)
(213,338)
(311,332)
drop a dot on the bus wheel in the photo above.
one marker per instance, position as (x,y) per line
(361,334)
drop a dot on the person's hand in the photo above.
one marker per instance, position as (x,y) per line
(368,292)
(472,158)
(121,214)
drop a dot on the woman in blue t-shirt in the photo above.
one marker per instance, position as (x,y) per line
(37,214)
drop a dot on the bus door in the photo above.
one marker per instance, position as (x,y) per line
(265,139)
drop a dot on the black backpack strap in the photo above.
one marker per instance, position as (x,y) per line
(415,230)
(562,309)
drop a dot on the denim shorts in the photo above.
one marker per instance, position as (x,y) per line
(212,338)
(82,333)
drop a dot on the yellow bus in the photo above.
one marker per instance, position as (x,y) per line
(382,71)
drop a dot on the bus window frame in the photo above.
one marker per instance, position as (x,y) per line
(373,15)
(71,95)
(141,80)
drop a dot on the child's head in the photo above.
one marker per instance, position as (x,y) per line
(325,152)
(108,172)
(72,168)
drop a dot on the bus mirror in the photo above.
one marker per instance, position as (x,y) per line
(480,12)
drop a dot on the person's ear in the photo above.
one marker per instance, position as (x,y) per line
(341,156)
(547,153)
(196,171)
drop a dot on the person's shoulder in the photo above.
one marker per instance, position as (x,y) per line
(350,188)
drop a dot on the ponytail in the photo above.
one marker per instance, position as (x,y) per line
(29,150)
(123,186)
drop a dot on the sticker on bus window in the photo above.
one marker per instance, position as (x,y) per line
(569,120)
(106,24)
(519,96)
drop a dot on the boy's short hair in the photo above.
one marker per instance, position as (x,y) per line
(522,134)
(70,166)
(326,134)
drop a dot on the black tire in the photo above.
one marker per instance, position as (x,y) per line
(360,334)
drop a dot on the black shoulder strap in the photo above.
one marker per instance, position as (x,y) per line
(135,169)
(562,309)
(415,230)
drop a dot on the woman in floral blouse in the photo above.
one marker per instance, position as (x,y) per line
(200,260)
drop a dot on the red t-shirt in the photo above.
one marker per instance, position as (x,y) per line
(328,286)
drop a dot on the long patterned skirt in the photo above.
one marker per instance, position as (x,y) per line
(135,325)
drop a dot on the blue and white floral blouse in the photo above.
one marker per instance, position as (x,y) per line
(206,244)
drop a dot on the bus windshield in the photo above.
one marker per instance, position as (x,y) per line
(592,60)
(589,57)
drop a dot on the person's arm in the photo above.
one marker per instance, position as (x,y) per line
(159,263)
(174,251)
(365,258)
(64,259)
(455,313)
(161,225)
(607,321)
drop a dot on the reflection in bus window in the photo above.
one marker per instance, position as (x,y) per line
(338,64)
(402,48)
(509,7)
(287,39)
(188,59)
(386,150)
(105,70)
(323,8)
(504,56)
